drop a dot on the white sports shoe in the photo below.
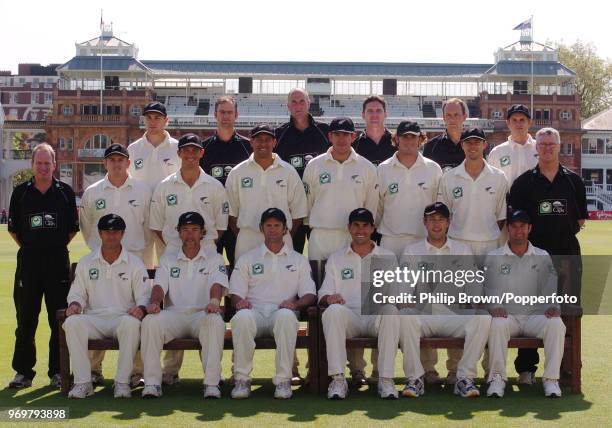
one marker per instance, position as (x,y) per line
(283,390)
(497,386)
(81,390)
(338,388)
(551,388)
(122,390)
(212,391)
(152,391)
(242,389)
(386,388)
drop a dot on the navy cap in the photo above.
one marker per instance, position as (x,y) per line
(436,208)
(190,140)
(361,214)
(473,133)
(111,222)
(518,108)
(155,107)
(273,213)
(342,124)
(519,215)
(191,217)
(116,149)
(408,127)
(262,128)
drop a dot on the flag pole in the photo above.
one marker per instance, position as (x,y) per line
(532,80)
(100,44)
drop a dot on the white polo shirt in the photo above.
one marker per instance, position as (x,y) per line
(131,201)
(152,164)
(110,290)
(252,190)
(345,270)
(514,158)
(262,277)
(335,189)
(424,248)
(187,282)
(173,197)
(533,274)
(475,205)
(404,193)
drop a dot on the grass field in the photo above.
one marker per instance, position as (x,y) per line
(182,404)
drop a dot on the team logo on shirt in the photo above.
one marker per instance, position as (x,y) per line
(447,168)
(281,183)
(490,190)
(297,161)
(138,163)
(172,199)
(504,161)
(225,208)
(291,268)
(217,171)
(133,202)
(168,163)
(202,271)
(203,200)
(175,272)
(347,273)
(122,276)
(222,269)
(257,269)
(306,188)
(246,182)
(94,274)
(36,221)
(100,204)
(393,188)
(504,269)
(422,185)
(356,179)
(458,192)
(324,178)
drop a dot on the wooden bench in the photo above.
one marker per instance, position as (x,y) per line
(571,364)
(308,338)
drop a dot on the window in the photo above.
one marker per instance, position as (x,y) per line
(89,109)
(67,110)
(62,143)
(567,149)
(497,115)
(14,98)
(592,176)
(565,115)
(65,144)
(99,141)
(48,98)
(35,82)
(112,110)
(34,98)
(136,110)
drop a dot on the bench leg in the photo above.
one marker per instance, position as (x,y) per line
(64,361)
(323,377)
(313,355)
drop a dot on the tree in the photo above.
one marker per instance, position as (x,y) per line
(593,75)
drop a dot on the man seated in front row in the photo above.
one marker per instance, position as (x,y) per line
(522,269)
(342,292)
(269,284)
(107,299)
(438,319)
(191,282)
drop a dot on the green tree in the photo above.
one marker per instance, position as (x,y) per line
(21,177)
(593,75)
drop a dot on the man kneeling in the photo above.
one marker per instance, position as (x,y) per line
(192,281)
(107,299)
(520,268)
(264,286)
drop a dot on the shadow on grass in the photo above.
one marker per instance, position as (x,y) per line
(186,398)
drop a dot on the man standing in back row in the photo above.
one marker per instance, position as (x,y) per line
(445,149)
(374,143)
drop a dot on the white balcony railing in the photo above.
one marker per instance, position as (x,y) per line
(90,153)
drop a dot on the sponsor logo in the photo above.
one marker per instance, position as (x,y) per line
(203,199)
(246,182)
(347,273)
(324,178)
(133,202)
(175,272)
(138,163)
(504,161)
(490,190)
(553,207)
(100,204)
(122,276)
(297,162)
(281,183)
(49,220)
(171,199)
(291,268)
(357,179)
(94,274)
(217,172)
(458,192)
(257,269)
(222,269)
(36,221)
(393,188)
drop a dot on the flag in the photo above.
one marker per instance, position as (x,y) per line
(101,22)
(523,25)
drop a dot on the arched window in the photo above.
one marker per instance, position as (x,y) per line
(99,141)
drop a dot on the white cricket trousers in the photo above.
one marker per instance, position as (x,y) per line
(81,328)
(264,320)
(550,330)
(161,328)
(248,239)
(323,242)
(474,328)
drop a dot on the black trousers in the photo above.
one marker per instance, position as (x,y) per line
(227,241)
(299,240)
(40,274)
